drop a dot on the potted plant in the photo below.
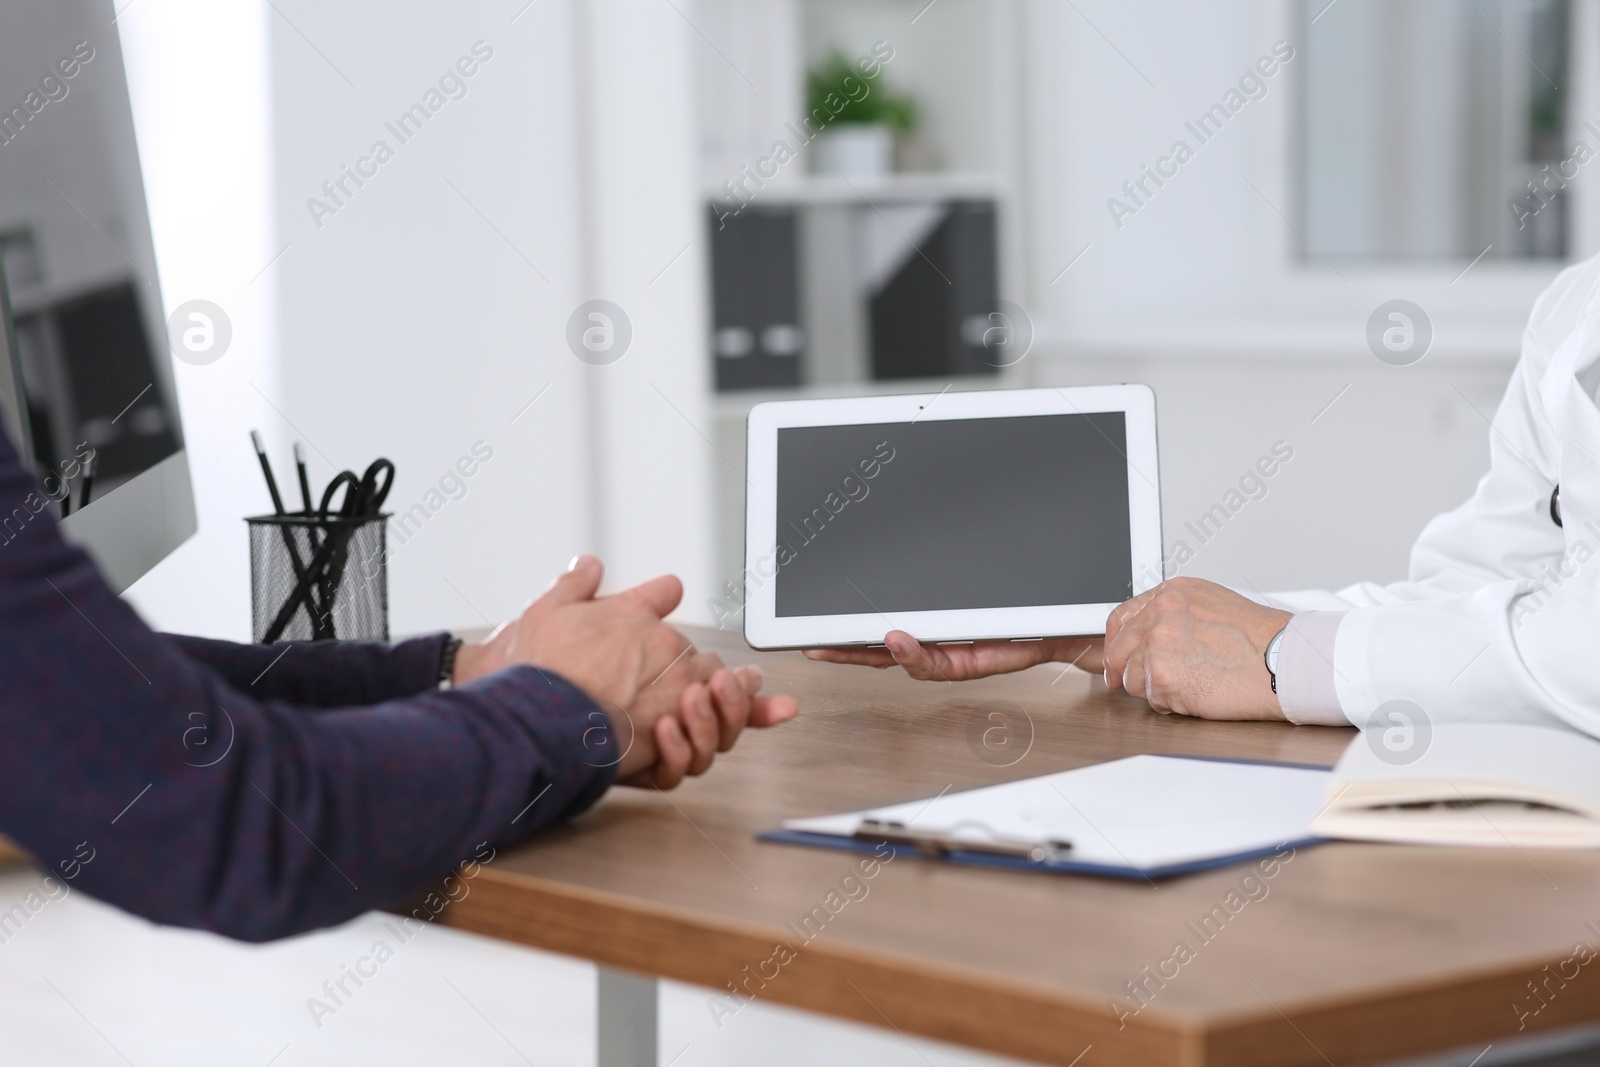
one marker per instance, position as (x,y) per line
(863,119)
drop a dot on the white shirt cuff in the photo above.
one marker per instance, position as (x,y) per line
(1306,689)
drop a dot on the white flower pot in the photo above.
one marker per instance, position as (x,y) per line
(854,150)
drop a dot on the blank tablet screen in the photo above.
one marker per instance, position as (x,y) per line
(950,514)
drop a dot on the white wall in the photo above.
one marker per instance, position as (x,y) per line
(1207,257)
(1399,445)
(198,80)
(648,235)
(412,325)
(426,313)
(1197,295)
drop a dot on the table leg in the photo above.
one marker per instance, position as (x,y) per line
(625,1019)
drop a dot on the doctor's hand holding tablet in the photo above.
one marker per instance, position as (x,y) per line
(1012,528)
(1187,646)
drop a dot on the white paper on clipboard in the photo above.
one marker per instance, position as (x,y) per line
(1142,812)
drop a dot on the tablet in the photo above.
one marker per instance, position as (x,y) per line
(1013,514)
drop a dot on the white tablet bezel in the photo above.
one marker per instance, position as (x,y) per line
(763,629)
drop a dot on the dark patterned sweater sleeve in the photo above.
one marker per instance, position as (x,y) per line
(324,674)
(203,805)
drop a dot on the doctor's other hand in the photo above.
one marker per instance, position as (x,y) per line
(617,650)
(1196,648)
(964,662)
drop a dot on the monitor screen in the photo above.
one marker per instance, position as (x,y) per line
(951,514)
(90,373)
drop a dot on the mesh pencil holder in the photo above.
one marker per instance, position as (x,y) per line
(316,579)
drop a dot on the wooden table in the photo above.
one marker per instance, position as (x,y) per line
(1357,954)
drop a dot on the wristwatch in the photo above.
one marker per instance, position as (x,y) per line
(1272,656)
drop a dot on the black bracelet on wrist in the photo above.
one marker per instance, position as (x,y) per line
(447,661)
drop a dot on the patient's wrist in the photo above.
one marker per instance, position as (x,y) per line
(472,660)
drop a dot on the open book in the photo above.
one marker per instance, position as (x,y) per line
(1472,784)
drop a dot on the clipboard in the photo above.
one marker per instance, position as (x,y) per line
(1139,818)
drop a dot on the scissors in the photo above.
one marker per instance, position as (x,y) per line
(363,498)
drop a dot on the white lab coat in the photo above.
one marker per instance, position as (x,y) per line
(1500,617)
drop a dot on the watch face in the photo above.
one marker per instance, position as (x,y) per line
(1272,651)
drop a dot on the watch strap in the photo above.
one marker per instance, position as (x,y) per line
(447,661)
(1270,657)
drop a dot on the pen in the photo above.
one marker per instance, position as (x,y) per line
(305,480)
(311,531)
(266,472)
(941,843)
(300,570)
(88,482)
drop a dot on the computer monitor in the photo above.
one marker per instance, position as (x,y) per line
(85,368)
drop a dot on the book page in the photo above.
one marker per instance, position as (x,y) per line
(1472,759)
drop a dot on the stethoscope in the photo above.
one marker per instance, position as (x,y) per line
(1555,505)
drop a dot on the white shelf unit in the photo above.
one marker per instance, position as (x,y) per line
(959,60)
